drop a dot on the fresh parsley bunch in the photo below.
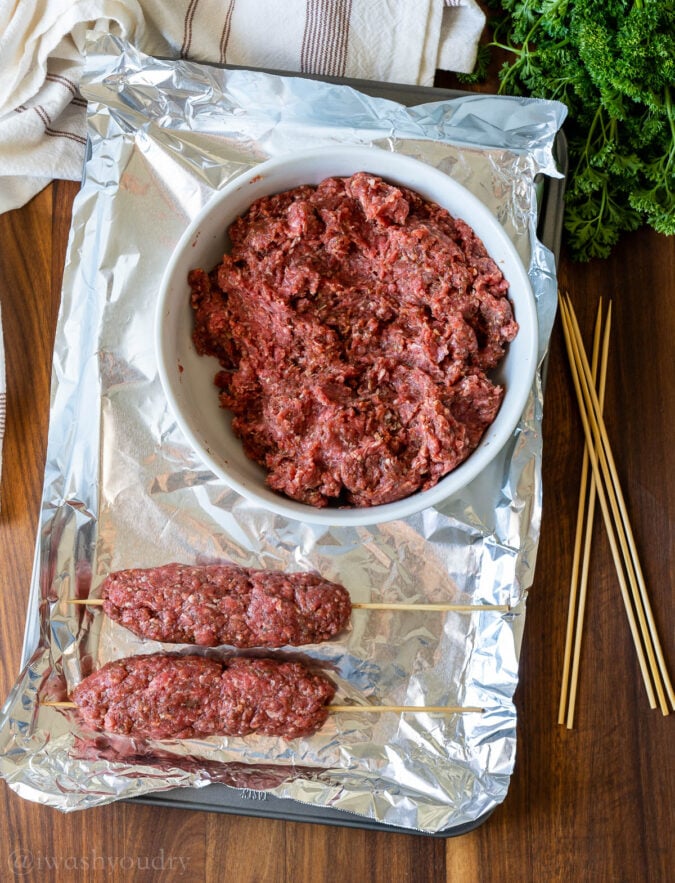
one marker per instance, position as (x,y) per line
(612,62)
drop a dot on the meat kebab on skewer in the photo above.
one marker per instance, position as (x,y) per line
(215,604)
(219,604)
(163,696)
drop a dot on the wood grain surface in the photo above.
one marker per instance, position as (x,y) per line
(594,803)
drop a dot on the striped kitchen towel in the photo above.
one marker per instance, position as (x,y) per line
(42,122)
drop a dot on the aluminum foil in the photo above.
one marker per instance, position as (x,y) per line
(124,489)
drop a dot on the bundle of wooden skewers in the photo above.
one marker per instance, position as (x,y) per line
(599,481)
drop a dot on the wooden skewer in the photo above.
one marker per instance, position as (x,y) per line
(592,497)
(376,605)
(628,546)
(602,496)
(611,498)
(340,709)
(625,533)
(577,583)
(461,608)
(408,709)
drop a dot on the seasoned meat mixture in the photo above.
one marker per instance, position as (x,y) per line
(181,697)
(226,604)
(355,324)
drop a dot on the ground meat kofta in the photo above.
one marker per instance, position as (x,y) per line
(214,604)
(355,324)
(180,697)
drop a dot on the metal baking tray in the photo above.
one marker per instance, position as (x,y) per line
(249,802)
(260,804)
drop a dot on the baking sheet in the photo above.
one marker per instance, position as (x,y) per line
(122,488)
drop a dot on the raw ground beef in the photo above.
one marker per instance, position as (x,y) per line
(180,697)
(225,604)
(355,324)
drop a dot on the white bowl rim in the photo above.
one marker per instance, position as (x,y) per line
(497,434)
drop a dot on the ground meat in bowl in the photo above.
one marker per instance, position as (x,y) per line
(356,325)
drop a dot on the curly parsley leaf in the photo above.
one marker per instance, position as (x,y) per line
(612,62)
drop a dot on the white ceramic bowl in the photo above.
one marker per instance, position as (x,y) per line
(187,378)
